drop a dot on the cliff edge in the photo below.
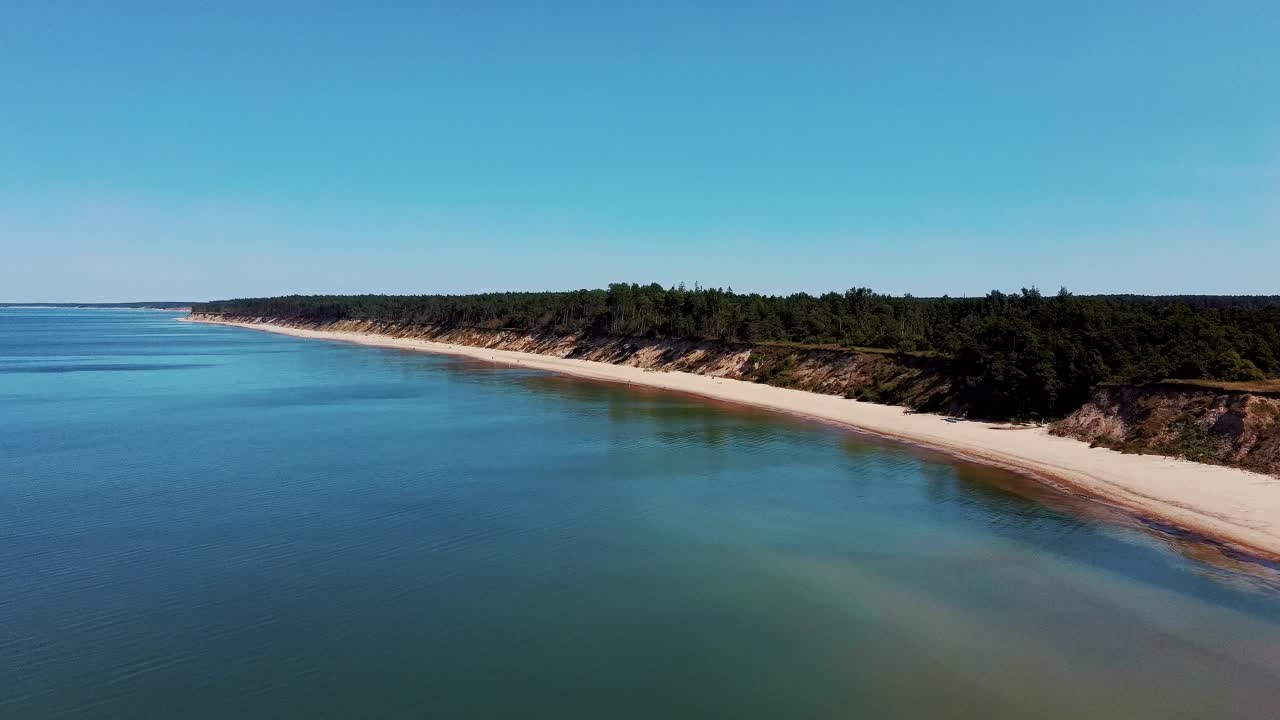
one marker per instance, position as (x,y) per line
(890,378)
(1224,423)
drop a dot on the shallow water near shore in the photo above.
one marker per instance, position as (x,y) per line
(203,521)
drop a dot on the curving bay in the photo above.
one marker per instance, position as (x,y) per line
(202,521)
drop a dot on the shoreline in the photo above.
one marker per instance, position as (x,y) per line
(1238,507)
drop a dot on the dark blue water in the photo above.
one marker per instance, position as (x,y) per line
(207,522)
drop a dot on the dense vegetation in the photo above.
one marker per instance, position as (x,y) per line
(1009,355)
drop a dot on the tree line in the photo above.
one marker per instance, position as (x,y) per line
(1009,354)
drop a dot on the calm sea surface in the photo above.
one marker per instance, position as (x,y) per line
(205,522)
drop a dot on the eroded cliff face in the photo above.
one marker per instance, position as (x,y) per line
(1205,424)
(916,382)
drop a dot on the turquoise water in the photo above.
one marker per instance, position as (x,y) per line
(208,522)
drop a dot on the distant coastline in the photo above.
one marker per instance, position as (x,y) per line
(1241,508)
(168,306)
(165,306)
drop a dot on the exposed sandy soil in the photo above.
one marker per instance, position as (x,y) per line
(1202,422)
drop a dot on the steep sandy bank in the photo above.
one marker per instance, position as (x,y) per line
(1240,507)
(1196,421)
(917,382)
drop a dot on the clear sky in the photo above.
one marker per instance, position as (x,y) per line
(200,150)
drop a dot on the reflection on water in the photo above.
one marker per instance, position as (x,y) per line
(1012,503)
(302,529)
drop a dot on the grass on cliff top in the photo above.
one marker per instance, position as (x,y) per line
(844,348)
(1253,386)
(790,345)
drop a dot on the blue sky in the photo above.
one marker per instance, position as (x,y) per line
(208,150)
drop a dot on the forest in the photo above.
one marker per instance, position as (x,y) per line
(1019,354)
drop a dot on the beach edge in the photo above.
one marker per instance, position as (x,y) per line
(1236,508)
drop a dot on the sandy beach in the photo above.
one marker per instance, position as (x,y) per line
(1236,506)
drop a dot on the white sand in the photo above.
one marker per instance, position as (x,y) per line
(1234,505)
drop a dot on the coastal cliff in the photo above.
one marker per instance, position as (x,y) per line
(891,378)
(1234,424)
